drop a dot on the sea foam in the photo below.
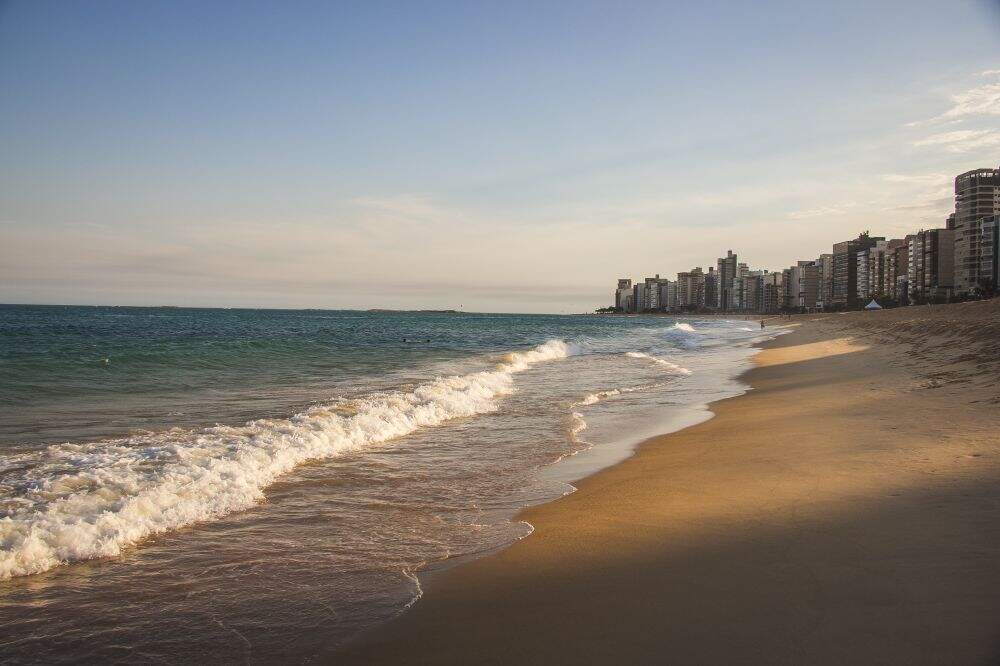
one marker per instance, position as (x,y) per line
(75,502)
(673,367)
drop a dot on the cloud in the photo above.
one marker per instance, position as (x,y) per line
(981,100)
(961,141)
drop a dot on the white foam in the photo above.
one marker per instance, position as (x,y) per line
(594,398)
(579,425)
(75,502)
(673,367)
(683,326)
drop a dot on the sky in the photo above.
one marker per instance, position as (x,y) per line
(504,157)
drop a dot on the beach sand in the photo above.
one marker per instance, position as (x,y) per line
(845,510)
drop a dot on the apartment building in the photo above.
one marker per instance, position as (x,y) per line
(977,197)
(691,288)
(931,265)
(668,295)
(623,294)
(871,268)
(771,294)
(845,270)
(712,288)
(989,245)
(824,265)
(726,271)
(895,262)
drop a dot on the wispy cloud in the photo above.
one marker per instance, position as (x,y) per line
(977,101)
(961,141)
(981,100)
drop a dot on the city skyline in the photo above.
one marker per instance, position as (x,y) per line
(956,261)
(502,161)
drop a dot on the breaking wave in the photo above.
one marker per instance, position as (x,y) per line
(682,326)
(75,502)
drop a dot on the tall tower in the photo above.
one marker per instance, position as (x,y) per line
(977,196)
(726,271)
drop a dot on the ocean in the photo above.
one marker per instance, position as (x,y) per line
(259,485)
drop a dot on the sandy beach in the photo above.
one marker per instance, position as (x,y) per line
(844,510)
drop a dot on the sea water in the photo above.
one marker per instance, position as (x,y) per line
(255,485)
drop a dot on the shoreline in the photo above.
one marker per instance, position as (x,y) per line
(823,515)
(571,470)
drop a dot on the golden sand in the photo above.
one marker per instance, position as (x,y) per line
(844,511)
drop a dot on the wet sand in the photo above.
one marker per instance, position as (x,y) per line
(845,510)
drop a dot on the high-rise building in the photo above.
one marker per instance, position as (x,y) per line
(771,294)
(751,289)
(738,295)
(895,263)
(668,295)
(808,285)
(861,286)
(691,289)
(845,270)
(977,196)
(639,300)
(989,245)
(870,267)
(800,284)
(931,265)
(652,292)
(726,272)
(712,288)
(824,295)
(623,294)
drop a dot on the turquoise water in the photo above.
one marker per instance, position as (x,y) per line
(99,371)
(261,485)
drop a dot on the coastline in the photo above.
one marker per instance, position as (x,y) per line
(838,511)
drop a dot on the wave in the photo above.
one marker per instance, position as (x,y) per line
(683,335)
(673,367)
(75,502)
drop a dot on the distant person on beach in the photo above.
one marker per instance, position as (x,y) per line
(762,324)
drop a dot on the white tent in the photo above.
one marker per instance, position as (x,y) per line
(873,306)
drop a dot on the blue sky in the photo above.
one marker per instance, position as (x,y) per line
(501,156)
